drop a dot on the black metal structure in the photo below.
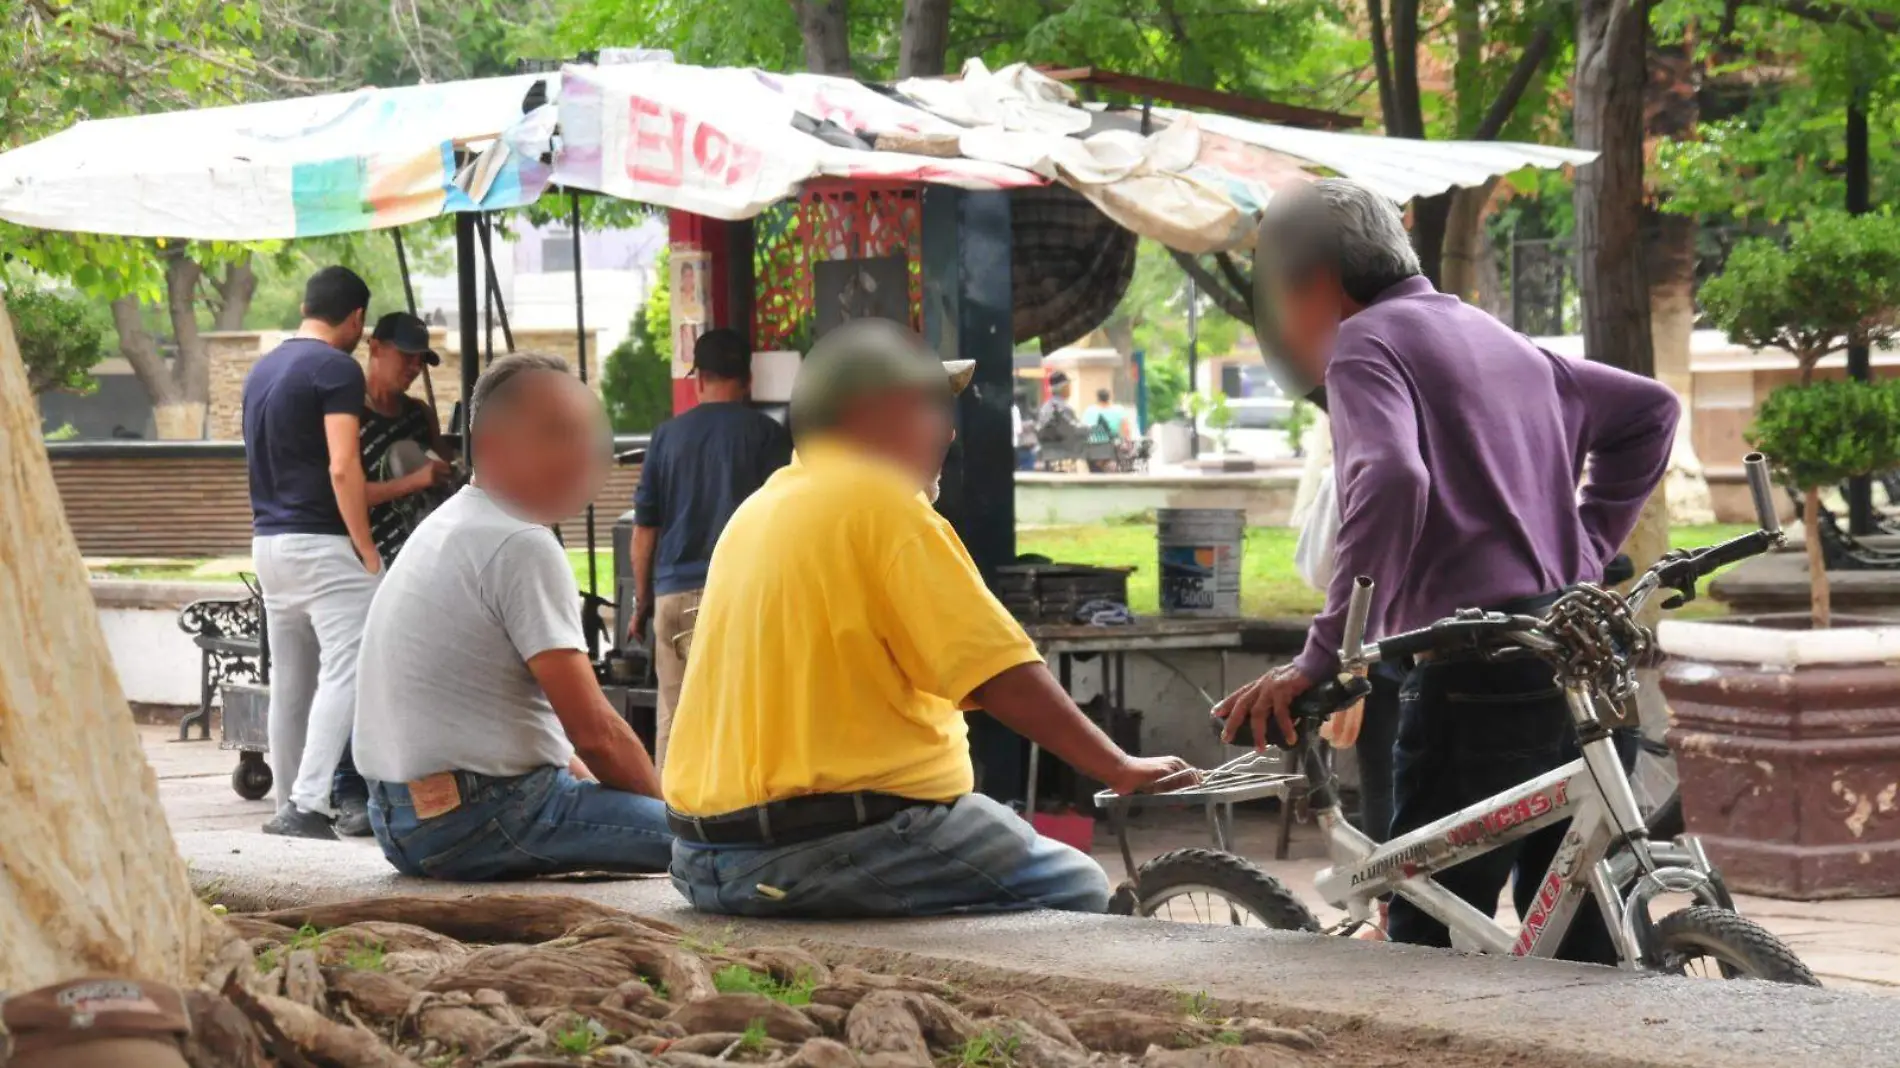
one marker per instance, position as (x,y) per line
(1860,490)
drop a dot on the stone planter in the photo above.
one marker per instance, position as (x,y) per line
(1787,742)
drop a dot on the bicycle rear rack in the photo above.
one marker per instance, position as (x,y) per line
(1244,778)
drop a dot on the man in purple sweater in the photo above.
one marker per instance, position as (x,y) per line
(1459,450)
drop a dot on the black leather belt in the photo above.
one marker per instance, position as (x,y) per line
(793,820)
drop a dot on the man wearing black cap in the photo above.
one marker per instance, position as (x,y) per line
(700,465)
(402,460)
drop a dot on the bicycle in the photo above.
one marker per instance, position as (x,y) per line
(1591,637)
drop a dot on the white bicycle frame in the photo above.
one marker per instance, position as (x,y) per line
(1592,792)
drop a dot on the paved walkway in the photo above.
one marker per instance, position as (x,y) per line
(1853,944)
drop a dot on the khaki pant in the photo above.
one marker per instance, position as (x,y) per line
(673,618)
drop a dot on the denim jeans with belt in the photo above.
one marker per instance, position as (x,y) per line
(546,822)
(972,855)
(1469,730)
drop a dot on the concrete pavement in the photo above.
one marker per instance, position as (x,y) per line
(1383,1005)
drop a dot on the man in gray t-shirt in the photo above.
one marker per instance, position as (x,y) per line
(474,687)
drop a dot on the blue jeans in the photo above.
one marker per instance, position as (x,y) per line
(543,823)
(973,855)
(348,784)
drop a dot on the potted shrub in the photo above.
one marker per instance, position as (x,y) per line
(1787,732)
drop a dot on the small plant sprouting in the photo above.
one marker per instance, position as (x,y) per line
(753,1040)
(365,958)
(1198,1005)
(988,1049)
(715,944)
(267,960)
(739,979)
(1229,1038)
(307,937)
(582,1036)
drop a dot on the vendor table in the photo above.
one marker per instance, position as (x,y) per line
(1066,643)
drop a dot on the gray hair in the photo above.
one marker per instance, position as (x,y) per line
(498,381)
(1341,226)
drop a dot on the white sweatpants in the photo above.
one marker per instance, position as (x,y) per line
(316,601)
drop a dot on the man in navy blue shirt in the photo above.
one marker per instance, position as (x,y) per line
(311,540)
(700,465)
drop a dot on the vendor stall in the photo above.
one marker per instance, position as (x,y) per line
(986,210)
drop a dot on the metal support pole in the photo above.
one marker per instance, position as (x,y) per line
(1860,491)
(580,349)
(465,301)
(1194,366)
(496,306)
(409,300)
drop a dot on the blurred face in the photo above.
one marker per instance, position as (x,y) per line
(392,366)
(1306,316)
(546,451)
(913,428)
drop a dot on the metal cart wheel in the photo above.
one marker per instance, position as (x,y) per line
(251,778)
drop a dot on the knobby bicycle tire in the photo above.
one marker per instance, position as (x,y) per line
(1233,878)
(1742,948)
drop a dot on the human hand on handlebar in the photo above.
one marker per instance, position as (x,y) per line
(1268,698)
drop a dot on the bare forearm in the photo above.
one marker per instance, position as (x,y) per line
(646,541)
(376,493)
(352,499)
(1028,700)
(616,757)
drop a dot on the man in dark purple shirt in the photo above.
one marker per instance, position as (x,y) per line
(1473,470)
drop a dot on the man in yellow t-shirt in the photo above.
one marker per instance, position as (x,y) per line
(819,763)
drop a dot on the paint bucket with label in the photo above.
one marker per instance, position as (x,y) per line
(1200,560)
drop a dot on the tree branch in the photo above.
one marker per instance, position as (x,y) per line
(1243,285)
(1382,62)
(1223,297)
(1831,14)
(1514,86)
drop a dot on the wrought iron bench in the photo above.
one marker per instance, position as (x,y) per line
(1841,551)
(230,636)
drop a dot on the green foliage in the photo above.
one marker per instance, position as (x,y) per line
(62,432)
(1837,279)
(739,979)
(1298,421)
(753,1039)
(1199,1005)
(988,1049)
(369,957)
(60,338)
(580,1036)
(636,384)
(1164,376)
(659,308)
(1823,433)
(1213,409)
(1229,1038)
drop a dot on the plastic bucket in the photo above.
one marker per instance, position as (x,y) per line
(1200,560)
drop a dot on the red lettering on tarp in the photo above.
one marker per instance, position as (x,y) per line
(657,149)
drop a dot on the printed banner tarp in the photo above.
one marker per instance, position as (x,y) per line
(305,167)
(721,141)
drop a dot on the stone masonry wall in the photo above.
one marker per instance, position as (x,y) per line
(233,352)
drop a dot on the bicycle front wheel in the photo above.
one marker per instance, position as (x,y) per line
(1211,887)
(1717,944)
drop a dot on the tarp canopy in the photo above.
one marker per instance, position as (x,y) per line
(300,167)
(723,142)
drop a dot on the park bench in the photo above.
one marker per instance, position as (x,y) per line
(1842,551)
(232,647)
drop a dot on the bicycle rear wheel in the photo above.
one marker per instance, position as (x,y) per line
(1211,887)
(1717,944)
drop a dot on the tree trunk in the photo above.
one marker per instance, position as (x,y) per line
(1464,244)
(89,879)
(924,38)
(1817,563)
(1609,191)
(825,26)
(234,295)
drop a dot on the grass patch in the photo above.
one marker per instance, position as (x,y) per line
(365,958)
(267,960)
(580,1036)
(987,1049)
(1198,1005)
(716,944)
(753,1039)
(1229,1038)
(739,979)
(1269,585)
